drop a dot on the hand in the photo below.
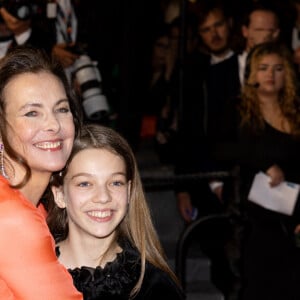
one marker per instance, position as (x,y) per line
(185,206)
(15,25)
(66,57)
(218,191)
(297,229)
(276,175)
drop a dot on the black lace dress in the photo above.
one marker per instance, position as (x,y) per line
(117,278)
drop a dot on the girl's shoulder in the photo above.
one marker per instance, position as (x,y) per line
(158,283)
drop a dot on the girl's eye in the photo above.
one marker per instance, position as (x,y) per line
(118,183)
(84,184)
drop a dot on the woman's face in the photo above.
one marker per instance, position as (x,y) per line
(270,74)
(95,193)
(160,51)
(41,126)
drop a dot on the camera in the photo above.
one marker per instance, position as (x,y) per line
(88,77)
(21,9)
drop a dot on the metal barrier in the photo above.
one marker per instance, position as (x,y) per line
(163,182)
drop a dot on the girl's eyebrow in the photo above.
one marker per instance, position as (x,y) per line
(79,174)
(91,174)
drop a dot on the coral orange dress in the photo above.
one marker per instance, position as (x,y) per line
(29,269)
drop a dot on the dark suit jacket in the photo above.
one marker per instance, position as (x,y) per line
(207,111)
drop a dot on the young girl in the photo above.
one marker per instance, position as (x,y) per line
(102,224)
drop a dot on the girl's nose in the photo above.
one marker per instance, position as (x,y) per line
(102,195)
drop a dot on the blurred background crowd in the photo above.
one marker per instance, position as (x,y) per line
(171,73)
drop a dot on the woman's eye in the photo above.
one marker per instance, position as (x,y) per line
(262,68)
(63,109)
(31,114)
(279,68)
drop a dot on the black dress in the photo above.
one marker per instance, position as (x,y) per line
(270,258)
(117,278)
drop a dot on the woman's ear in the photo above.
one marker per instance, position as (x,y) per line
(58,196)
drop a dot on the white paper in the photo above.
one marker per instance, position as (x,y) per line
(281,198)
(51,10)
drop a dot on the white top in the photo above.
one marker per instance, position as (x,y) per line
(217,59)
(4,47)
(242,65)
(295,38)
(23,37)
(61,25)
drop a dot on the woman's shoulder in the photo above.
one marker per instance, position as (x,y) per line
(6,192)
(9,194)
(17,212)
(12,199)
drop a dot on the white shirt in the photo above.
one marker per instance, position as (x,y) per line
(295,38)
(217,59)
(4,47)
(242,58)
(61,26)
(23,37)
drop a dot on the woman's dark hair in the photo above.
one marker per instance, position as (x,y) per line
(27,59)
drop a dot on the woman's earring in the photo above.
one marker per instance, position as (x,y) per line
(2,169)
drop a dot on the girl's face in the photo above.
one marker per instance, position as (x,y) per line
(41,126)
(270,74)
(95,193)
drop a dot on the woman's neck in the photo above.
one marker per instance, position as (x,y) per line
(34,188)
(273,115)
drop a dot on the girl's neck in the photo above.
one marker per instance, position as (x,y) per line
(89,253)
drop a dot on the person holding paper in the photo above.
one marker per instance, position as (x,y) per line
(269,142)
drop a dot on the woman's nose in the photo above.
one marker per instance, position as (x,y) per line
(52,123)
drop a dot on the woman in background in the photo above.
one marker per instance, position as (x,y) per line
(270,143)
